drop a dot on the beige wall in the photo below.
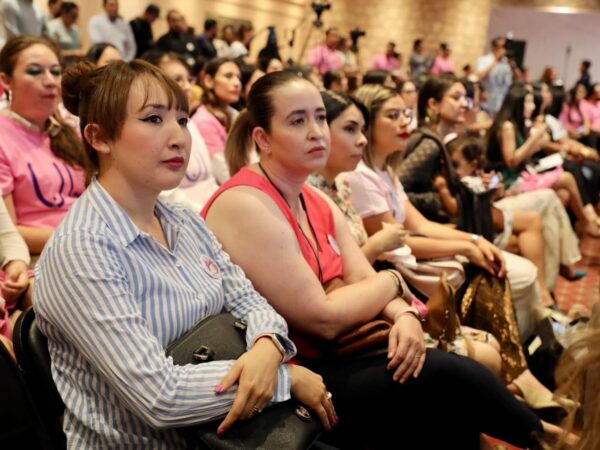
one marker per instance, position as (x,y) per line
(461,23)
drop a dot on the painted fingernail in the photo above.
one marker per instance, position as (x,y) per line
(219,389)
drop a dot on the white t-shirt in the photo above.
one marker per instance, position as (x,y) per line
(375,192)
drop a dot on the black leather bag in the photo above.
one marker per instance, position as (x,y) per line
(476,212)
(287,425)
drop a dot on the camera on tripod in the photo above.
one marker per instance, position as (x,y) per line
(354,35)
(318,8)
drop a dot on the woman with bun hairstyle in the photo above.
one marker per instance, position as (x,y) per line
(41,159)
(126,274)
(297,250)
(222,88)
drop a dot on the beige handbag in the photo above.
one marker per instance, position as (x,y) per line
(425,275)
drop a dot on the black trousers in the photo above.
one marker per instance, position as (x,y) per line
(587,176)
(447,406)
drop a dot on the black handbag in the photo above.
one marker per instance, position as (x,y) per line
(286,425)
(476,211)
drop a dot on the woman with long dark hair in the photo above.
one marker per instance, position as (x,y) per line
(514,138)
(297,250)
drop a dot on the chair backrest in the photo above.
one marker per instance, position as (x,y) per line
(20,424)
(31,349)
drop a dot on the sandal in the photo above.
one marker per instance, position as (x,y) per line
(543,403)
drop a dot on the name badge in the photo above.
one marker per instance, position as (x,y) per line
(210,266)
(334,244)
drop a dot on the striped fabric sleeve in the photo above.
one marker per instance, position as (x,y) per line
(82,290)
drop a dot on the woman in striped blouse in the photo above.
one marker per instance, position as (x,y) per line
(126,274)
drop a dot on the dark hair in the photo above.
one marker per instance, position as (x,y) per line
(586,63)
(153,9)
(331,77)
(434,88)
(336,103)
(472,149)
(243,29)
(375,76)
(265,59)
(95,51)
(67,7)
(258,113)
(512,110)
(157,57)
(209,99)
(99,96)
(247,70)
(496,41)
(444,45)
(416,43)
(64,144)
(209,23)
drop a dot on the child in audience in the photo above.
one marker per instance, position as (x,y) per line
(514,138)
(547,240)
(41,163)
(298,252)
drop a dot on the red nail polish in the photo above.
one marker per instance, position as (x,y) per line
(219,389)
(220,432)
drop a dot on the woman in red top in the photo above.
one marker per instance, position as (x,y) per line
(295,246)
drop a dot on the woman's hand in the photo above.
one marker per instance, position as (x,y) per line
(256,372)
(406,348)
(308,388)
(476,256)
(390,237)
(494,255)
(15,282)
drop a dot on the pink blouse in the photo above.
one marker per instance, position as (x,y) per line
(43,186)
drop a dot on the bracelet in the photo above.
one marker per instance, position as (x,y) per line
(397,280)
(412,312)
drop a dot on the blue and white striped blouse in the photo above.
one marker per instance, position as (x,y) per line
(110,298)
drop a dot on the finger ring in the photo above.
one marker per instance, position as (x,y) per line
(329,395)
(256,410)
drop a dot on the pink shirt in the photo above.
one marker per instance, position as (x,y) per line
(43,186)
(213,132)
(325,59)
(384,62)
(375,192)
(442,65)
(571,118)
(591,110)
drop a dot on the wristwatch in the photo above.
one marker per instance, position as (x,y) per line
(475,238)
(279,343)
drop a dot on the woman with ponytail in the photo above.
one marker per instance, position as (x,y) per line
(295,246)
(41,159)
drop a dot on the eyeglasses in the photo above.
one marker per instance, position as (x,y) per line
(396,114)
